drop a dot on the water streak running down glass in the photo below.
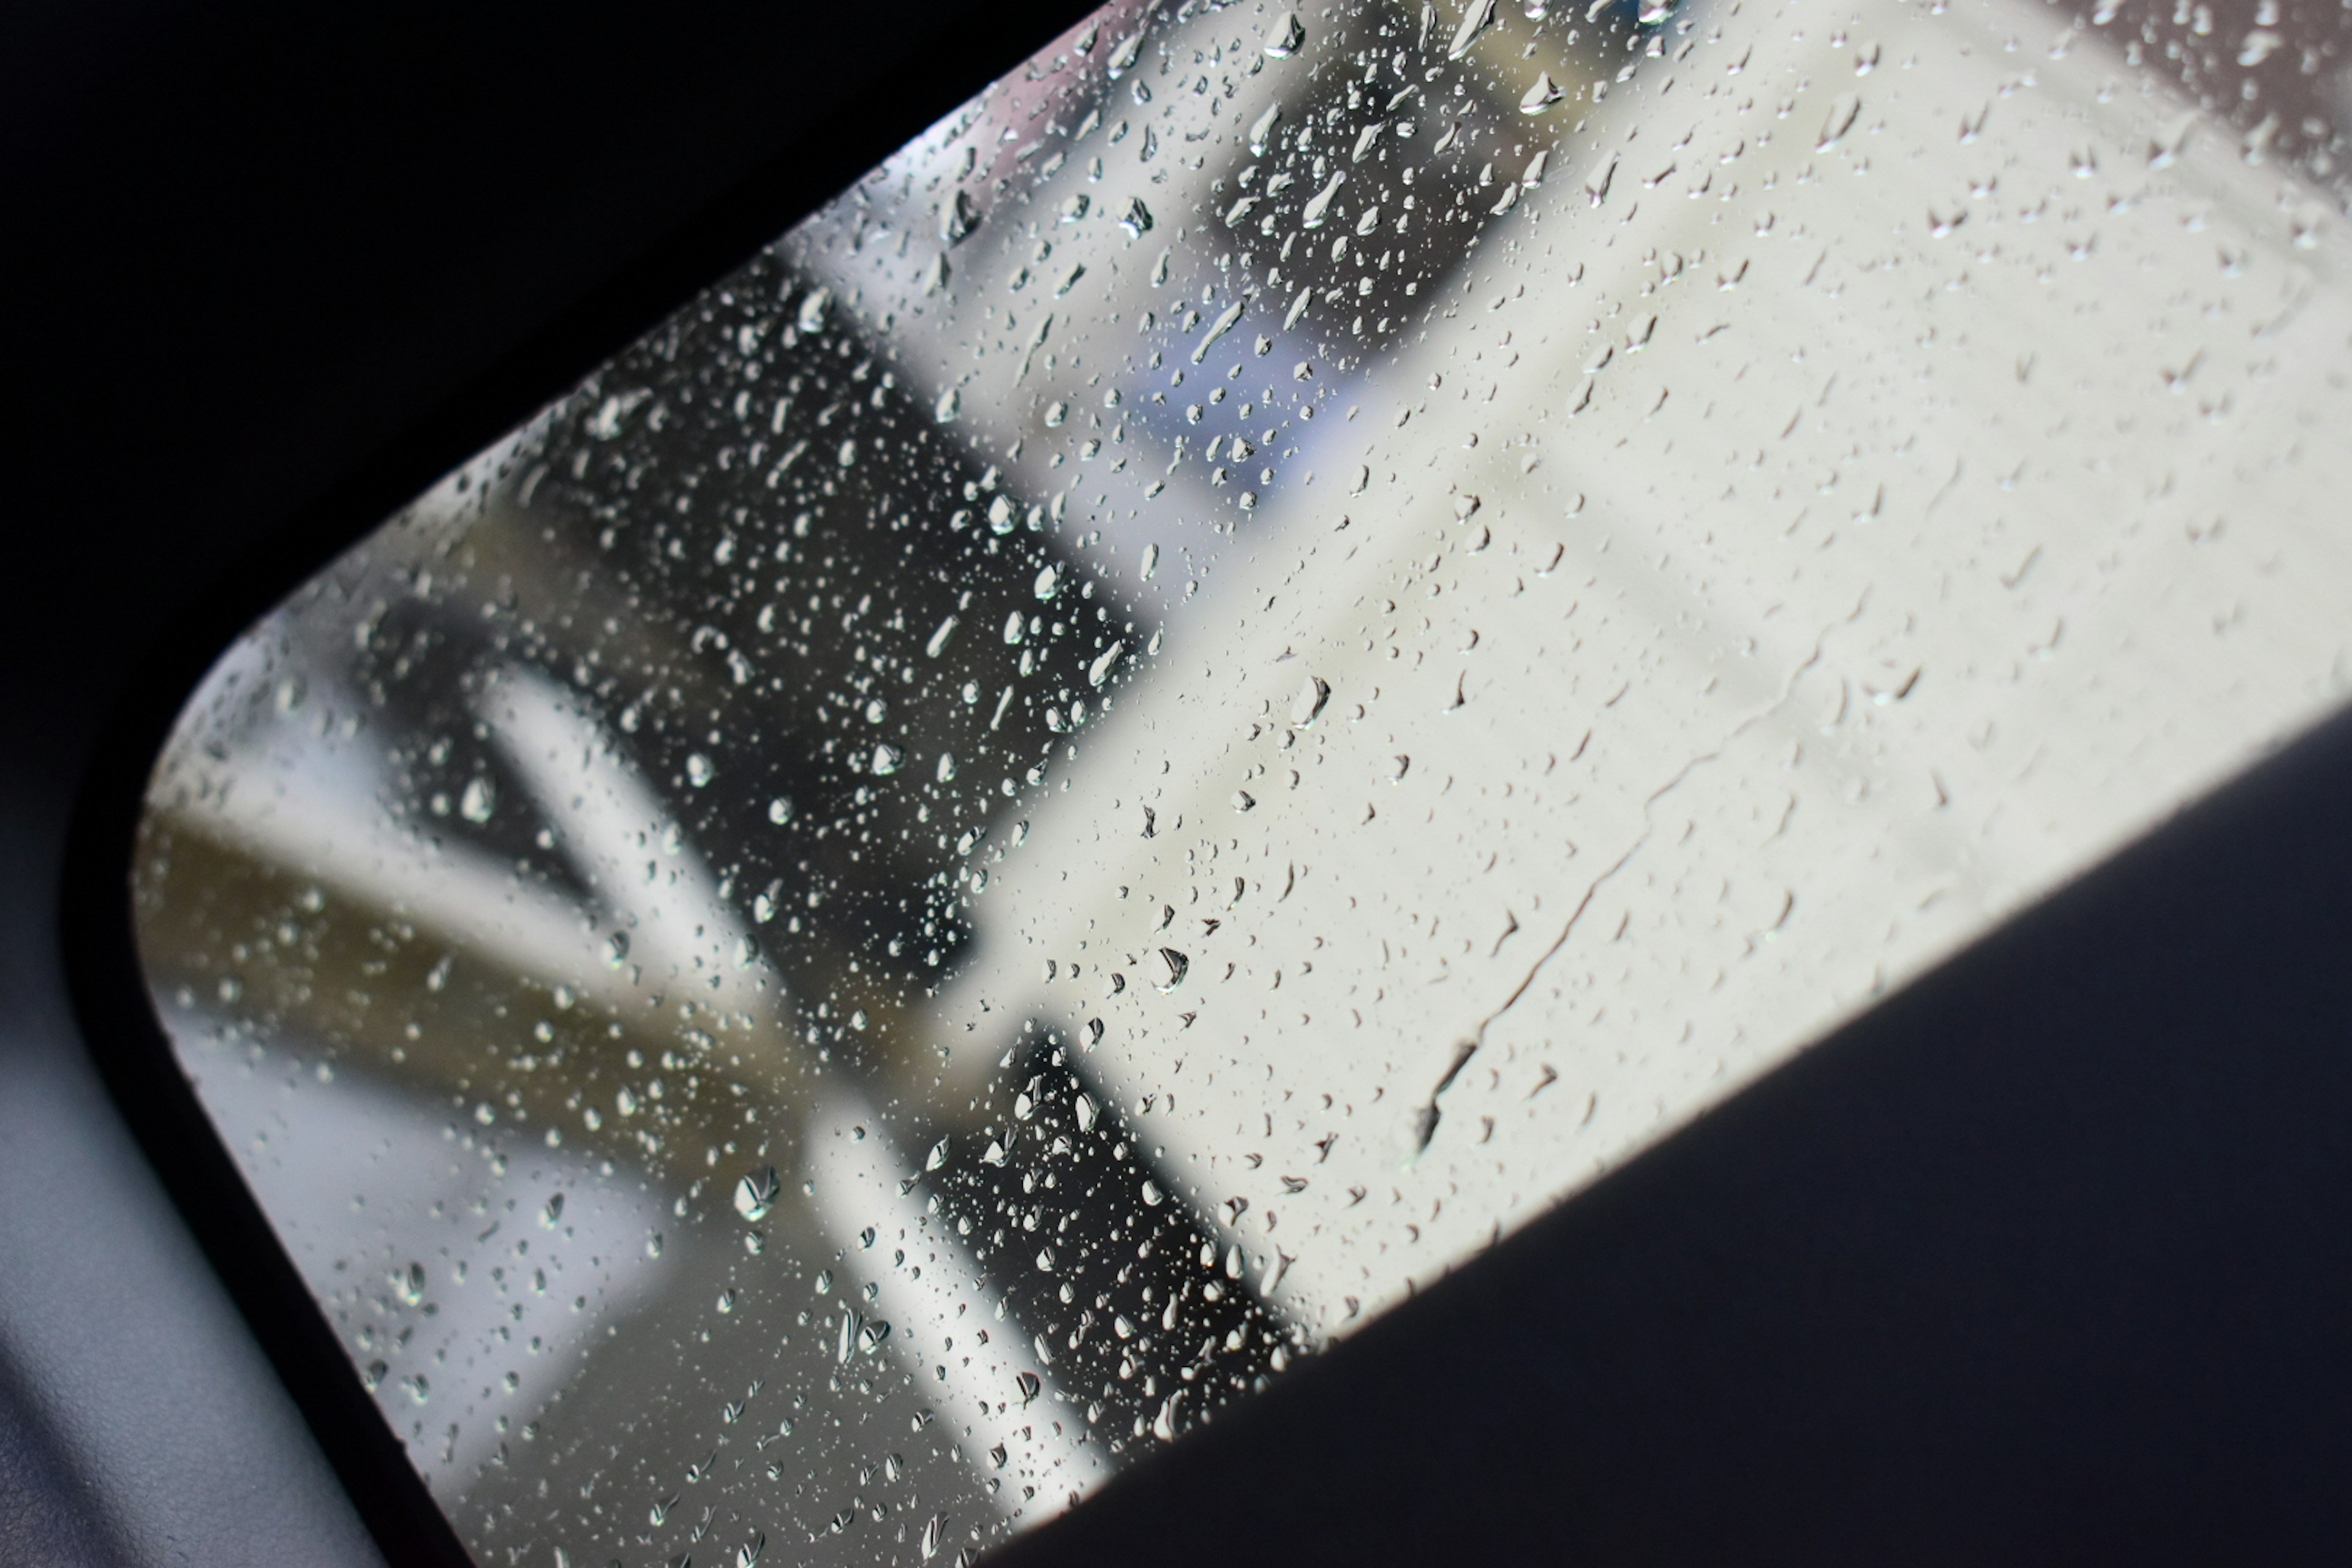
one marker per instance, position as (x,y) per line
(1289,637)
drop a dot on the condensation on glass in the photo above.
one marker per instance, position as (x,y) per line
(1284,640)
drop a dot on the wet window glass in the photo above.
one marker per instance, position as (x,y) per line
(1288,638)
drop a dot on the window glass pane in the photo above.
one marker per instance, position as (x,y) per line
(1285,640)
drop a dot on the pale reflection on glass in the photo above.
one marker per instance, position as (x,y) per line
(1286,639)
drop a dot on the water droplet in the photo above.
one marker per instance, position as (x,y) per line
(701,770)
(606,423)
(813,310)
(887,758)
(1843,110)
(1217,329)
(1313,693)
(1318,205)
(1597,183)
(1276,1268)
(756,1194)
(1083,1106)
(1542,96)
(1136,219)
(1175,966)
(1476,18)
(1287,36)
(1049,582)
(1105,662)
(1263,129)
(780,810)
(958,217)
(480,799)
(949,401)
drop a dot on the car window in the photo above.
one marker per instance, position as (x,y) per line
(1288,638)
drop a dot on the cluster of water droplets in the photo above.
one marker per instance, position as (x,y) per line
(1286,639)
